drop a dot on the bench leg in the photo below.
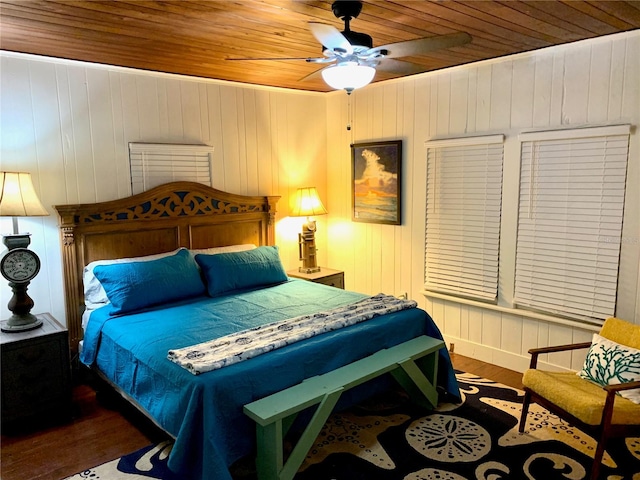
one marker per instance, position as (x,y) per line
(310,434)
(269,463)
(419,383)
(270,450)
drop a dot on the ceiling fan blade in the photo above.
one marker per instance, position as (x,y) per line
(312,76)
(330,37)
(399,67)
(306,59)
(420,46)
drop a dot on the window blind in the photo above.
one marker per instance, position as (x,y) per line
(153,164)
(572,189)
(464,198)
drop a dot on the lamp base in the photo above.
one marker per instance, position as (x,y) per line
(308,269)
(21,323)
(307,248)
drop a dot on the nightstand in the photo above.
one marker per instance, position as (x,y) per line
(36,375)
(326,276)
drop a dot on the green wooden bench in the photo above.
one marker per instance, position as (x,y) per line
(414,364)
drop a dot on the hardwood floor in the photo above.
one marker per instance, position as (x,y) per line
(105,428)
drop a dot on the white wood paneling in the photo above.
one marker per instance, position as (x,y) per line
(599,78)
(522,103)
(459,102)
(616,80)
(69,124)
(501,99)
(483,98)
(414,212)
(585,83)
(542,83)
(576,80)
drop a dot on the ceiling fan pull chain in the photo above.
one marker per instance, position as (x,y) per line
(350,128)
(349,113)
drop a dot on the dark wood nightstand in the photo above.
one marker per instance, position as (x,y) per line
(326,276)
(36,375)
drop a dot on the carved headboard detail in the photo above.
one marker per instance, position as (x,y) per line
(162,219)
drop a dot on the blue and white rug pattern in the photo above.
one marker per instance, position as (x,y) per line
(390,438)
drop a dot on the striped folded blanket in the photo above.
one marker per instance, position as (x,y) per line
(247,344)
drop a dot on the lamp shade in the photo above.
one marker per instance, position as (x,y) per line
(348,76)
(18,197)
(307,203)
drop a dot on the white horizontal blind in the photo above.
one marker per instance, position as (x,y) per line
(153,164)
(572,189)
(464,198)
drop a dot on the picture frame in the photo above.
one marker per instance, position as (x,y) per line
(376,187)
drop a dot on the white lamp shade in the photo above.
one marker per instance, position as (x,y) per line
(348,76)
(307,203)
(18,197)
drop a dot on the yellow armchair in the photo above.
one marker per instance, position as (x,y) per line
(596,410)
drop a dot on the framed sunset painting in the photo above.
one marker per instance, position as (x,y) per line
(376,187)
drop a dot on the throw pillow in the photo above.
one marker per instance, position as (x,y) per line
(228,272)
(609,363)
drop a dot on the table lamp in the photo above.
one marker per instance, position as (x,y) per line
(19,265)
(307,203)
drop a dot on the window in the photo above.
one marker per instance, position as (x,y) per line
(464,195)
(572,189)
(153,164)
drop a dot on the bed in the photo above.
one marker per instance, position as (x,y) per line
(126,336)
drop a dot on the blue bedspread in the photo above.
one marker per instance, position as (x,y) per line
(204,412)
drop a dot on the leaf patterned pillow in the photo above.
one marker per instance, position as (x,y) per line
(609,363)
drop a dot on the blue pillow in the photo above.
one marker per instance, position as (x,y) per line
(226,272)
(136,285)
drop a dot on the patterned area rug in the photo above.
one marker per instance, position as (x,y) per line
(390,438)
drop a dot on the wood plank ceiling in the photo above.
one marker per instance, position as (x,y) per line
(197,37)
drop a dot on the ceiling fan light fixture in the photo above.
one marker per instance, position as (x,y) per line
(348,76)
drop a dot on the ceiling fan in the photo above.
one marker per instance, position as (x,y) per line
(353,58)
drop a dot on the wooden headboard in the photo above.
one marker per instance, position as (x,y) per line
(162,219)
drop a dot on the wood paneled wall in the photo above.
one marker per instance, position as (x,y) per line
(70,123)
(586,83)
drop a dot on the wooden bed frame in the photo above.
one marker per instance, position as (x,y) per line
(191,215)
(162,219)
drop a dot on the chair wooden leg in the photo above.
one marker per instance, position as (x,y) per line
(525,409)
(599,453)
(597,461)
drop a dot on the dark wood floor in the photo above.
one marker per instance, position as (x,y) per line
(104,429)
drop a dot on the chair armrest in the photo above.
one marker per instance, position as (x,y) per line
(607,411)
(558,348)
(622,386)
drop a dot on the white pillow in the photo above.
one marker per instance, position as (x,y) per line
(89,309)
(227,249)
(94,294)
(609,363)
